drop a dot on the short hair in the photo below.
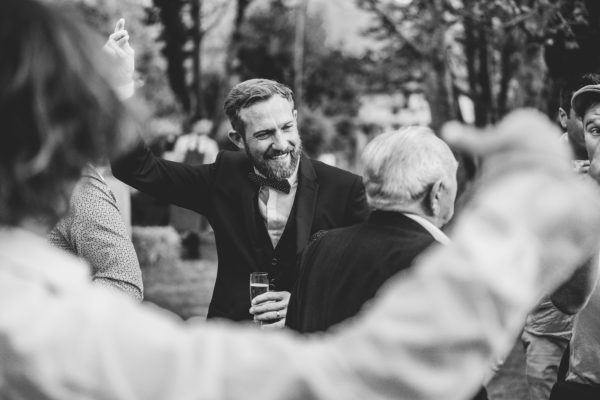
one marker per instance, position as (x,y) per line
(400,167)
(573,84)
(252,91)
(57,111)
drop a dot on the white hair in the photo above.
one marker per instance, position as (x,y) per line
(400,167)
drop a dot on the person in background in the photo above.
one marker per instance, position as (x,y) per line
(263,202)
(428,335)
(410,180)
(548,330)
(583,377)
(194,148)
(569,121)
(93,230)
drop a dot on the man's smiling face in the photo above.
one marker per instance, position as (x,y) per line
(271,137)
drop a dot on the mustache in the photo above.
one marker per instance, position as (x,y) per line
(270,153)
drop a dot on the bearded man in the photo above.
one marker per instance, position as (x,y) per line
(263,202)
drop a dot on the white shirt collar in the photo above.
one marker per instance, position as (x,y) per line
(431,228)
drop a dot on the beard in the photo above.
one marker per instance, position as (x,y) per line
(273,168)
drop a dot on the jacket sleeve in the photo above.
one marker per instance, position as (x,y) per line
(173,182)
(357,209)
(98,235)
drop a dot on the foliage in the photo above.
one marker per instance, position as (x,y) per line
(491,51)
(332,80)
(184,25)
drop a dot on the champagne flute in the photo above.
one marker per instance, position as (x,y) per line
(259,284)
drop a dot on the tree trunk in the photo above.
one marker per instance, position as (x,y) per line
(440,94)
(301,8)
(174,37)
(232,75)
(197,106)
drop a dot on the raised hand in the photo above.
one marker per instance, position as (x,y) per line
(121,53)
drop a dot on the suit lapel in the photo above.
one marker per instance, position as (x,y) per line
(306,201)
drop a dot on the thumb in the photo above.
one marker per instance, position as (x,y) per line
(120,25)
(468,139)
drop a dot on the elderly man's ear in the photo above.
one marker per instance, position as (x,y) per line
(236,139)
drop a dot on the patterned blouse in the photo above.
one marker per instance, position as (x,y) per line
(94,230)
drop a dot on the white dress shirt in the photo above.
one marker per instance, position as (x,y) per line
(275,206)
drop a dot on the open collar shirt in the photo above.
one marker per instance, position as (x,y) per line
(275,206)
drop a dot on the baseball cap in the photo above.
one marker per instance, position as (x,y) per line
(584,97)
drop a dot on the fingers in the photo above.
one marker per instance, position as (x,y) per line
(522,137)
(270,306)
(120,25)
(123,41)
(118,36)
(273,315)
(270,296)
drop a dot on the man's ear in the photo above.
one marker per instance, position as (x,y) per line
(435,195)
(236,139)
(295,114)
(563,116)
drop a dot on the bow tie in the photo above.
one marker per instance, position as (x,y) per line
(281,185)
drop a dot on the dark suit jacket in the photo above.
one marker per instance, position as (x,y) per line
(326,198)
(345,267)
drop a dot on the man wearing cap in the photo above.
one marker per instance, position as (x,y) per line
(583,377)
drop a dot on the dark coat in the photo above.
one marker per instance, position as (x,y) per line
(344,268)
(326,198)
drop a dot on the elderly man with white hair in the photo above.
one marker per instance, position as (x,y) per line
(410,180)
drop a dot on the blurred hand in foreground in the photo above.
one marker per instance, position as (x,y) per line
(535,188)
(122,55)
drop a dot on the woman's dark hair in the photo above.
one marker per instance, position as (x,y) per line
(57,111)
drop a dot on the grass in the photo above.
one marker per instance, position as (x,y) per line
(183,286)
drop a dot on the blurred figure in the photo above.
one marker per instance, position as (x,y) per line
(410,179)
(583,377)
(93,230)
(428,335)
(194,148)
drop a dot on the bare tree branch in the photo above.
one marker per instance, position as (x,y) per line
(388,23)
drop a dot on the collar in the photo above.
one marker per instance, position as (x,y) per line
(429,227)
